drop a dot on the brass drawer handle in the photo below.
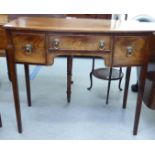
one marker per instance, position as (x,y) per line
(101,45)
(55,44)
(129,51)
(28,49)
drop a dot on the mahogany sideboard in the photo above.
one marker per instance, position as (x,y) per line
(69,58)
(40,40)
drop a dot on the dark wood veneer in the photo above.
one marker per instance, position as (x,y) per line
(118,35)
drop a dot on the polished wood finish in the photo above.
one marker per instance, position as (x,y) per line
(13,74)
(152,48)
(36,40)
(60,24)
(121,56)
(80,42)
(122,33)
(8,63)
(103,73)
(3,40)
(127,80)
(84,45)
(16,95)
(143,74)
(106,55)
(95,16)
(27,79)
(80,25)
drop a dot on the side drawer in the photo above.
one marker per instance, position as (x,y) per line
(29,47)
(129,50)
(79,42)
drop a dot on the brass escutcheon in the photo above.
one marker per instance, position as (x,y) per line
(101,45)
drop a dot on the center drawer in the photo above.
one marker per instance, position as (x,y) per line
(79,42)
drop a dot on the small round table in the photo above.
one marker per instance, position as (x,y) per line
(106,74)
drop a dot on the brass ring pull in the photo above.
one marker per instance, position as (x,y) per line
(101,45)
(55,44)
(129,50)
(28,49)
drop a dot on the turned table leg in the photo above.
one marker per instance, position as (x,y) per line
(28,89)
(69,77)
(71,68)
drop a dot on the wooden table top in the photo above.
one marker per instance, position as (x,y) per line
(79,25)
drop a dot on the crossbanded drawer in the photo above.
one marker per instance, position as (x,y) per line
(29,47)
(79,43)
(129,50)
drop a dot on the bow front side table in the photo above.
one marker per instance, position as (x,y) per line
(39,40)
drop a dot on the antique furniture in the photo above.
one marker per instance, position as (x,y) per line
(149,93)
(5,18)
(40,40)
(70,58)
(106,74)
(26,66)
(101,73)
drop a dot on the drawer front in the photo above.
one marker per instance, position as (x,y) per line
(79,43)
(3,40)
(129,50)
(29,47)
